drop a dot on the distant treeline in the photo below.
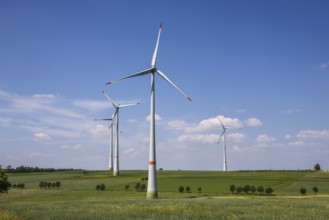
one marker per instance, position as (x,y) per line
(275,170)
(24,169)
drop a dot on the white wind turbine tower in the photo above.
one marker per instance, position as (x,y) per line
(111,140)
(116,116)
(152,191)
(223,135)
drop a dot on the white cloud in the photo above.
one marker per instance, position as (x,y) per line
(157,117)
(45,96)
(178,125)
(39,154)
(240,110)
(42,137)
(236,137)
(324,65)
(92,105)
(287,136)
(254,122)
(313,134)
(99,131)
(297,144)
(291,111)
(6,122)
(199,138)
(264,138)
(214,123)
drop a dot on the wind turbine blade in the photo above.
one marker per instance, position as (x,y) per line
(108,97)
(141,73)
(103,119)
(154,58)
(220,122)
(221,137)
(171,83)
(126,105)
(114,114)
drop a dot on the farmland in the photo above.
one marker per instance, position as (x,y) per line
(77,198)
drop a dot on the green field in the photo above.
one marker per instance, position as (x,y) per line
(77,198)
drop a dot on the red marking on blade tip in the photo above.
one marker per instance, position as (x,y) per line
(109,83)
(161,25)
(189,98)
(151,162)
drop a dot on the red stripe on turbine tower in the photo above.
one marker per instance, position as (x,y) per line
(151,162)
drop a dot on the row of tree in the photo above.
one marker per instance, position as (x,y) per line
(19,185)
(303,190)
(252,189)
(100,187)
(181,189)
(45,184)
(25,169)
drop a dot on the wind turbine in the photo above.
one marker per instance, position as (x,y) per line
(152,191)
(111,140)
(116,116)
(223,135)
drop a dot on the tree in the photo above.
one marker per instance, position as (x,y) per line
(58,184)
(232,188)
(253,189)
(317,167)
(127,187)
(41,184)
(260,189)
(199,189)
(246,188)
(302,191)
(102,187)
(4,184)
(98,187)
(137,186)
(143,187)
(188,189)
(181,189)
(268,191)
(239,189)
(53,184)
(315,190)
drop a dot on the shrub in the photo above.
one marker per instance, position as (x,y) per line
(246,188)
(260,189)
(199,189)
(127,187)
(188,189)
(302,191)
(137,187)
(315,190)
(268,191)
(232,188)
(239,189)
(181,189)
(253,189)
(102,187)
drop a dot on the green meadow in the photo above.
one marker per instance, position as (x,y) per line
(77,198)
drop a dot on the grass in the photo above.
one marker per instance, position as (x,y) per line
(78,198)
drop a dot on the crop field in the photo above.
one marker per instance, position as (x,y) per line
(77,197)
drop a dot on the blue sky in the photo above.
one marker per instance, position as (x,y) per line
(260,65)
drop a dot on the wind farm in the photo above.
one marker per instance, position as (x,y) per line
(152,190)
(263,67)
(115,116)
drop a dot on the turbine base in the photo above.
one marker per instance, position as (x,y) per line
(152,195)
(116,173)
